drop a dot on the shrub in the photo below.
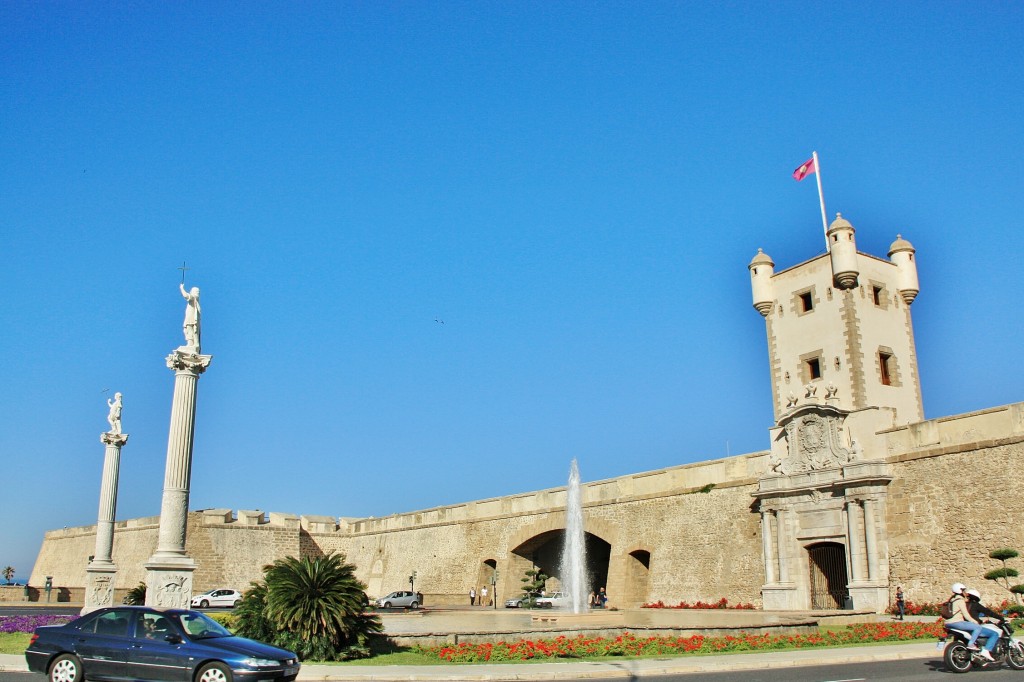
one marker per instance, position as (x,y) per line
(312,606)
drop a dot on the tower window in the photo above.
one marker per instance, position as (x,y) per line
(806,302)
(876,295)
(814,368)
(885,367)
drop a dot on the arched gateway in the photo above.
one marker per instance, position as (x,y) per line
(544,552)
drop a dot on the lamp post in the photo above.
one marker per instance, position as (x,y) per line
(494,588)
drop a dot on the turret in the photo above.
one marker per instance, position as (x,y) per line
(843,250)
(901,253)
(761,270)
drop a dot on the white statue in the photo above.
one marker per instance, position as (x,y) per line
(114,416)
(192,317)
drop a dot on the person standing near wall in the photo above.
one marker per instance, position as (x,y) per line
(472,596)
(483,596)
(900,603)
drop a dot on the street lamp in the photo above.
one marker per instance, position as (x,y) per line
(494,588)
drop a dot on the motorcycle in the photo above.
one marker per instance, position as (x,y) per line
(959,658)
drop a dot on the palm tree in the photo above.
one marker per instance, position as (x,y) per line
(8,573)
(314,606)
(137,595)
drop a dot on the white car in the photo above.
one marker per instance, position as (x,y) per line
(554,600)
(405,598)
(218,597)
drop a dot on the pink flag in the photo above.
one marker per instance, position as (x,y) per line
(805,169)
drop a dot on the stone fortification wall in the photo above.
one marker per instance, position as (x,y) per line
(951,501)
(955,497)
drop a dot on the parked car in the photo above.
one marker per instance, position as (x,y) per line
(402,598)
(514,603)
(554,600)
(153,645)
(218,597)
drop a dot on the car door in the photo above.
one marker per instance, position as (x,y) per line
(102,644)
(224,597)
(151,655)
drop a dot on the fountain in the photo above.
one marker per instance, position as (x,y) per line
(575,582)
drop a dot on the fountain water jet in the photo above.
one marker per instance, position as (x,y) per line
(575,582)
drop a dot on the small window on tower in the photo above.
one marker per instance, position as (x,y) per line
(876,295)
(806,302)
(885,367)
(814,368)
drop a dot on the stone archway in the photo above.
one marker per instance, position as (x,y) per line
(637,576)
(544,552)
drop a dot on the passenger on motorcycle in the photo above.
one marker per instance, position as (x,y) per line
(962,619)
(986,617)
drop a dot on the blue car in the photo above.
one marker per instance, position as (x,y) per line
(158,645)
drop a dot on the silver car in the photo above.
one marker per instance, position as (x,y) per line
(400,599)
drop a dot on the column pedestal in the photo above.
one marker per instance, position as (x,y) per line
(169,570)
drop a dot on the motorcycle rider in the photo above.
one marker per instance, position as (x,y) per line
(985,616)
(962,618)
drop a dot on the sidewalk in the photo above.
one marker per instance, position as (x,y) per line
(610,668)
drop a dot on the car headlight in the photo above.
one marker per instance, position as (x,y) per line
(260,662)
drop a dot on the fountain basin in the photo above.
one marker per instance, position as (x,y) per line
(566,618)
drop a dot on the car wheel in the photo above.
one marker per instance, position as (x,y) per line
(66,668)
(387,605)
(414,605)
(204,604)
(214,672)
(237,602)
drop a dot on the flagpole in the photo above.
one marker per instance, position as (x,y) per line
(821,198)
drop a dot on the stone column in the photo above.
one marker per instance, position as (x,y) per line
(766,543)
(169,570)
(854,539)
(870,537)
(783,551)
(101,571)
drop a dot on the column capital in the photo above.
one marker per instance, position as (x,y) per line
(110,438)
(186,360)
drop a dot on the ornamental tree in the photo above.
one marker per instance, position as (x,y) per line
(1005,573)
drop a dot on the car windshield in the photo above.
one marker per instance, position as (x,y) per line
(201,626)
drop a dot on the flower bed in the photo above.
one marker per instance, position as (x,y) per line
(30,623)
(722,603)
(630,645)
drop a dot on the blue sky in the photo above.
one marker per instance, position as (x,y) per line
(575,189)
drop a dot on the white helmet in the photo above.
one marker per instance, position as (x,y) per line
(958,588)
(973,593)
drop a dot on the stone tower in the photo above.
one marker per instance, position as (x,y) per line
(842,321)
(843,371)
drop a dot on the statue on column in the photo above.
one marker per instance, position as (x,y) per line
(192,318)
(114,416)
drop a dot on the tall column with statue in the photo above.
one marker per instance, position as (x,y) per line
(101,572)
(169,570)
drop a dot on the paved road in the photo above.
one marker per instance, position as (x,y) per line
(920,670)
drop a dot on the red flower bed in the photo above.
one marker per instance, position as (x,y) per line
(629,644)
(722,603)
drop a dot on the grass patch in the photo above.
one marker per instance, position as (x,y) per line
(14,642)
